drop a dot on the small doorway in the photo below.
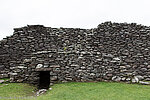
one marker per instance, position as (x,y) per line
(44,81)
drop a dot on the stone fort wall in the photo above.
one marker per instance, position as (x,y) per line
(110,52)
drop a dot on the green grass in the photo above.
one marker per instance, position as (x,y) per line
(97,91)
(15,90)
(80,91)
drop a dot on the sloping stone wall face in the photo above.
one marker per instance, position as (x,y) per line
(110,52)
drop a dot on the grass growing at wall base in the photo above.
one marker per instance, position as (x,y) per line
(80,91)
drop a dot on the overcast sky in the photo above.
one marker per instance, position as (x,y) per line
(70,13)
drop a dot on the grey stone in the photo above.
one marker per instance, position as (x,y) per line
(128,79)
(116,78)
(139,77)
(27,60)
(129,61)
(108,55)
(1,81)
(21,67)
(68,79)
(134,81)
(74,65)
(144,83)
(129,74)
(123,79)
(40,92)
(109,75)
(122,67)
(2,66)
(55,66)
(45,66)
(117,59)
(14,74)
(92,74)
(39,66)
(148,66)
(54,78)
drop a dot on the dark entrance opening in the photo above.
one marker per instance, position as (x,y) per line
(44,81)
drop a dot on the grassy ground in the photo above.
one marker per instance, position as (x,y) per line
(15,91)
(80,91)
(97,91)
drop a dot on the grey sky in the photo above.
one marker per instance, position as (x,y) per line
(70,13)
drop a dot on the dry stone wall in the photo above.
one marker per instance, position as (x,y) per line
(110,52)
